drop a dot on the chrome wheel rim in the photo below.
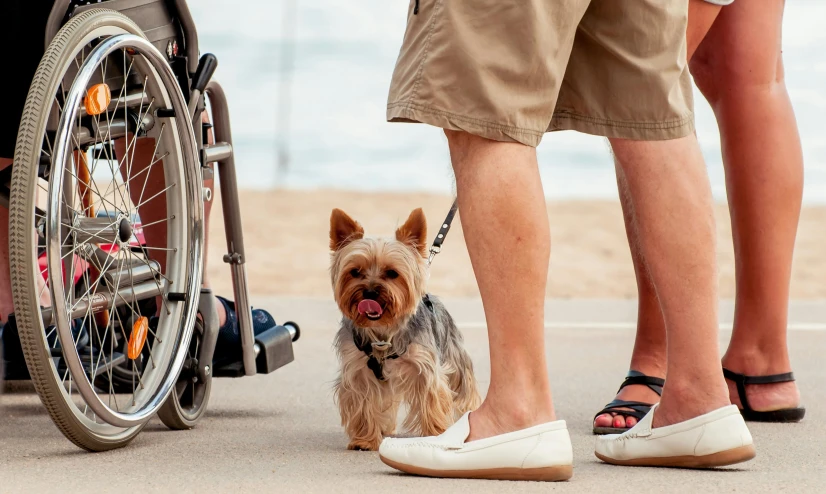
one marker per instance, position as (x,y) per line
(69,230)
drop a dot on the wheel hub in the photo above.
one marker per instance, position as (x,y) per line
(124,230)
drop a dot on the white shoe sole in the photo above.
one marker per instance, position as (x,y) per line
(719,459)
(545,474)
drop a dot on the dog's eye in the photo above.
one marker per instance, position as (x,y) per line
(355,273)
(391,274)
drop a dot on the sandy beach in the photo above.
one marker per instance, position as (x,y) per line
(287,245)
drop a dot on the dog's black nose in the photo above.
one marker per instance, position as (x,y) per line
(370,294)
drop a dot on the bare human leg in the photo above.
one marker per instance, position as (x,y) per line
(672,223)
(649,351)
(504,221)
(739,69)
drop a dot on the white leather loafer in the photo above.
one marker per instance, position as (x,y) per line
(542,452)
(715,439)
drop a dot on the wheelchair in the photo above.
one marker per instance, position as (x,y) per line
(106,224)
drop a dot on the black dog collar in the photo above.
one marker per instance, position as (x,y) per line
(366,346)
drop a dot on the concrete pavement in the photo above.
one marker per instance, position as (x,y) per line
(280,433)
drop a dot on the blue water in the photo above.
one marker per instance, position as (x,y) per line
(344,57)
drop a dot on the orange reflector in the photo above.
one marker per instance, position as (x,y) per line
(97,99)
(138,337)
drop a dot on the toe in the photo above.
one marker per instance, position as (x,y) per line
(619,422)
(630,421)
(604,420)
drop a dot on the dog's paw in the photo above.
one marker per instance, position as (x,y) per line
(362,445)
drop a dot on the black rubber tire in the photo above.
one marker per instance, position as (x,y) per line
(172,413)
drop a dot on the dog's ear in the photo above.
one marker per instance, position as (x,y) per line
(414,231)
(343,230)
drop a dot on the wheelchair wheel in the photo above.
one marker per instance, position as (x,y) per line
(105,159)
(188,401)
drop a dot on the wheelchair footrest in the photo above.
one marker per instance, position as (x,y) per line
(275,349)
(230,370)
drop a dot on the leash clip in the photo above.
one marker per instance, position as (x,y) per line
(380,345)
(433,251)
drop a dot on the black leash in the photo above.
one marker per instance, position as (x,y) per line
(440,237)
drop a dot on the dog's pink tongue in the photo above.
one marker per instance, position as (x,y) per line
(369,307)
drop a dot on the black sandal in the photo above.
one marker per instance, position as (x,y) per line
(784,415)
(636,409)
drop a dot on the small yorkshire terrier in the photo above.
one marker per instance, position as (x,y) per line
(396,343)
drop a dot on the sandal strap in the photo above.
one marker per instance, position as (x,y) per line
(741,380)
(636,409)
(655,384)
(771,379)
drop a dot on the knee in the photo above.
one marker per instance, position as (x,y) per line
(723,76)
(702,70)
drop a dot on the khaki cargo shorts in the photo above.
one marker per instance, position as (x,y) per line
(511,70)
